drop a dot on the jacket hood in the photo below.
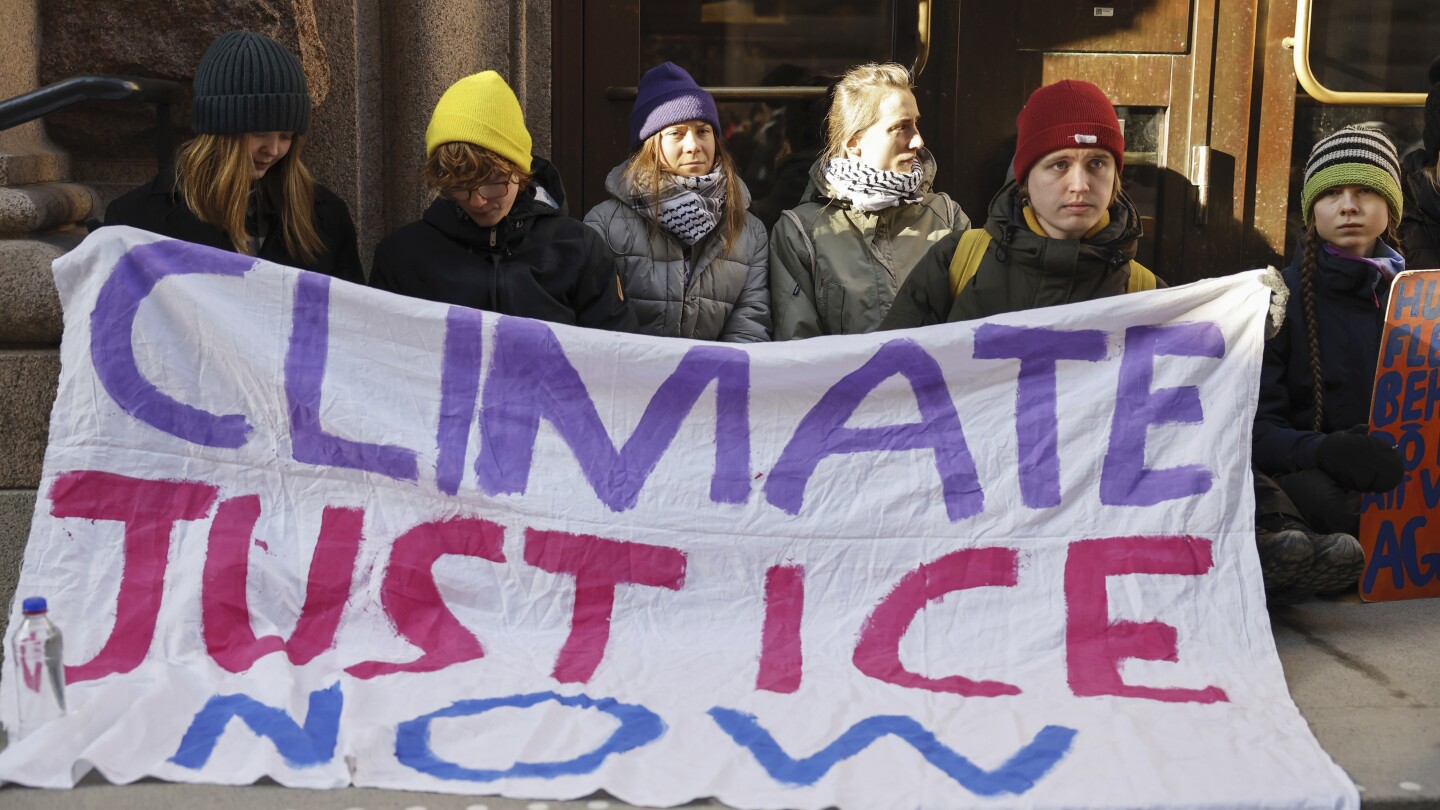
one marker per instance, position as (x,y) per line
(819,189)
(1116,242)
(543,197)
(1422,199)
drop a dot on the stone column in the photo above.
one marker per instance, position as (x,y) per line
(38,209)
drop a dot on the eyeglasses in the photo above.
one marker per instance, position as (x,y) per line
(489,191)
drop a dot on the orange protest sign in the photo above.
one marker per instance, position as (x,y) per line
(1400,529)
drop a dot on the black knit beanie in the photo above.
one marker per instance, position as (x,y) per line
(1432,115)
(248,82)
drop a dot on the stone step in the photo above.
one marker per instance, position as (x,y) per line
(28,379)
(31,314)
(44,207)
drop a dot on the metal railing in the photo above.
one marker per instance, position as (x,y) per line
(160,92)
(1306,77)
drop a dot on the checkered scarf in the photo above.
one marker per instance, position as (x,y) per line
(689,207)
(871,189)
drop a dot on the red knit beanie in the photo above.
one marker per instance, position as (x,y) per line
(1066,115)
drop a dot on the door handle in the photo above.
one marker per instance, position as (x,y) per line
(922,38)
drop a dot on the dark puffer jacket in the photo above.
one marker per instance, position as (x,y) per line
(1420,224)
(1021,268)
(157,208)
(1350,299)
(708,291)
(535,263)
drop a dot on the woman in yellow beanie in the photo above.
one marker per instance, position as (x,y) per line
(693,260)
(495,237)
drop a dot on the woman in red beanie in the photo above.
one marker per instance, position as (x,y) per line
(1064,232)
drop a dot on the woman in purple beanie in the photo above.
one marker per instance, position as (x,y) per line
(692,260)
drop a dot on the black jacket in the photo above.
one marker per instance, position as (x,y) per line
(1350,297)
(1420,224)
(157,208)
(536,262)
(1020,269)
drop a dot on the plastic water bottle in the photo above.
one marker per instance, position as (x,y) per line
(41,668)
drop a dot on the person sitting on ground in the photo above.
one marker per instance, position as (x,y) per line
(1064,232)
(870,212)
(496,237)
(693,262)
(1420,226)
(239,184)
(1313,454)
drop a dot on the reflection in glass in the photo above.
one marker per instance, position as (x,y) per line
(1374,46)
(767,43)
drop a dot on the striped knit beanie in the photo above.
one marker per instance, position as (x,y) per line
(1354,155)
(248,82)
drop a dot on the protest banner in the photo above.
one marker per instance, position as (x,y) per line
(301,529)
(1399,530)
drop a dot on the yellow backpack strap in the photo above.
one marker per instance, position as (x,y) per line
(1141,279)
(967,259)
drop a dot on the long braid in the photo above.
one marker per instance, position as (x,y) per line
(1308,271)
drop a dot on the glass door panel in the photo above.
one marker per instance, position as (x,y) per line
(768,62)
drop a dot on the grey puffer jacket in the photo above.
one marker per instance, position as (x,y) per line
(723,296)
(835,270)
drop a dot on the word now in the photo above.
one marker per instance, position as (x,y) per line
(149,509)
(314,742)
(530,378)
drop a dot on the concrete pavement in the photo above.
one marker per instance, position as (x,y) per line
(1366,677)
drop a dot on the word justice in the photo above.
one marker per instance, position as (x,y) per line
(1095,646)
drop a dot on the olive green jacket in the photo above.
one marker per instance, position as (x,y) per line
(835,270)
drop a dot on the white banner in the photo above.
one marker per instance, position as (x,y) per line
(301,529)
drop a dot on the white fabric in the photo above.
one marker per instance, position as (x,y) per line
(677,679)
(871,189)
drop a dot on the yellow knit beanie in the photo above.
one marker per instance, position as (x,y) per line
(481,110)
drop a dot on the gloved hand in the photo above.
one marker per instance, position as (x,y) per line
(1360,461)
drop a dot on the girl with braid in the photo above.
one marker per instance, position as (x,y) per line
(1313,454)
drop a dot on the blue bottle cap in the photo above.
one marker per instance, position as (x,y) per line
(34,604)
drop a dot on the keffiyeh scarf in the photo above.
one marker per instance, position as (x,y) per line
(871,189)
(690,207)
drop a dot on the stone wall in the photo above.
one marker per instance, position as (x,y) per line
(33,197)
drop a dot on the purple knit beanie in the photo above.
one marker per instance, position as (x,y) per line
(667,95)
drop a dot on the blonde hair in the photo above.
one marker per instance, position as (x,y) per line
(647,169)
(458,164)
(857,99)
(213,174)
